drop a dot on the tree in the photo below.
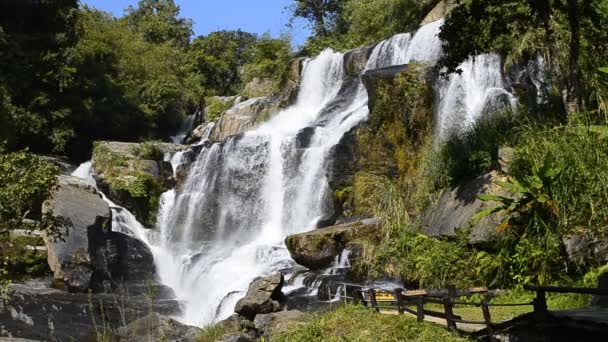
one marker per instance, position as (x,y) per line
(218,58)
(25,182)
(35,39)
(159,22)
(269,60)
(321,14)
(371,21)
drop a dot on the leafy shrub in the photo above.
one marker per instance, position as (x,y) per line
(149,150)
(215,108)
(474,152)
(270,61)
(25,182)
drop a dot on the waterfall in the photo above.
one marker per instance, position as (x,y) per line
(226,224)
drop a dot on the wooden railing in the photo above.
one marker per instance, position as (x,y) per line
(414,301)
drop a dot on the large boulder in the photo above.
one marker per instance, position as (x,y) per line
(243,116)
(455,209)
(157,327)
(52,315)
(355,60)
(263,296)
(89,255)
(317,249)
(82,211)
(273,323)
(134,175)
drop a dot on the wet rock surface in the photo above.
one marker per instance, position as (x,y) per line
(318,248)
(243,116)
(455,209)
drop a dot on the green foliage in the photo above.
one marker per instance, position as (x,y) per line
(135,189)
(215,108)
(159,23)
(5,282)
(25,182)
(354,323)
(21,260)
(474,152)
(370,21)
(323,15)
(346,24)
(269,61)
(218,58)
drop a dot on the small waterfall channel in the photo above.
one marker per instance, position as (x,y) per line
(226,225)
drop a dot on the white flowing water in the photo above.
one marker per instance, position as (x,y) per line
(227,223)
(465,97)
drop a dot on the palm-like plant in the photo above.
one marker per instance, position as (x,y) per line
(532,201)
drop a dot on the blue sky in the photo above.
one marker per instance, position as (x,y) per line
(257,16)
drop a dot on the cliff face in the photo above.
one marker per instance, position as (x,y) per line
(387,144)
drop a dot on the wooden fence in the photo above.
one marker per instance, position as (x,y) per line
(404,301)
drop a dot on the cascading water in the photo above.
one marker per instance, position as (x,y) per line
(227,223)
(465,97)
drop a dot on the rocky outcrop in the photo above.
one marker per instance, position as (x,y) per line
(81,211)
(134,175)
(318,248)
(157,327)
(355,60)
(52,315)
(263,296)
(88,255)
(455,209)
(273,323)
(439,11)
(258,88)
(243,116)
(582,249)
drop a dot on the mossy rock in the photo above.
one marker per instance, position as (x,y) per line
(318,248)
(134,175)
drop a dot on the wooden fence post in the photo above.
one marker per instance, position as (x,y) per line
(372,297)
(399,299)
(449,314)
(485,309)
(420,309)
(540,305)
